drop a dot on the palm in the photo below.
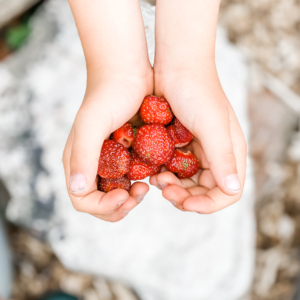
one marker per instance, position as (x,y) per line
(104,110)
(218,144)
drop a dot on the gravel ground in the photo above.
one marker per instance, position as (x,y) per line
(270,28)
(38,272)
(277,198)
(268,31)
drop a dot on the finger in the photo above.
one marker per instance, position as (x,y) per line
(137,193)
(210,202)
(120,213)
(162,180)
(207,180)
(218,147)
(66,156)
(196,148)
(176,195)
(99,203)
(89,133)
(139,190)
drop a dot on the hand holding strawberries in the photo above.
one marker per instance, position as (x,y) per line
(190,188)
(218,144)
(186,74)
(119,75)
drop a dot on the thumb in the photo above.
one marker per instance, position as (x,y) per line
(213,131)
(90,131)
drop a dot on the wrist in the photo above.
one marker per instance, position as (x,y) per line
(198,68)
(138,79)
(187,79)
(185,34)
(112,36)
(122,69)
(180,63)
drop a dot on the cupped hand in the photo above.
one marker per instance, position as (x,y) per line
(107,105)
(200,104)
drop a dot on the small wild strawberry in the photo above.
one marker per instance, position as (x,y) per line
(139,170)
(156,110)
(153,144)
(181,136)
(184,163)
(109,184)
(124,135)
(114,160)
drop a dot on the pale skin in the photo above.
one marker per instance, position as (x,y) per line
(120,76)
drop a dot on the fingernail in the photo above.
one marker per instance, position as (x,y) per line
(232,183)
(162,185)
(125,212)
(174,202)
(121,202)
(139,198)
(77,183)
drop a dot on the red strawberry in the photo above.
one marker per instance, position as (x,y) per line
(153,144)
(124,135)
(171,131)
(114,160)
(156,110)
(184,163)
(140,170)
(109,184)
(181,136)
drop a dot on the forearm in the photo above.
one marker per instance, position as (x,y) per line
(112,34)
(185,33)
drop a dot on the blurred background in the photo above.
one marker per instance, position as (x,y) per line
(267,33)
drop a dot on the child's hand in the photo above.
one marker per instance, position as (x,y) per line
(185,73)
(119,76)
(201,105)
(105,108)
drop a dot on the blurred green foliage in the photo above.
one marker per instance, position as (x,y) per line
(17,35)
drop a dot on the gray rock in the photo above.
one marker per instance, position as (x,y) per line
(163,253)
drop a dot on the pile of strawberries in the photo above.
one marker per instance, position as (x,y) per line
(135,153)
